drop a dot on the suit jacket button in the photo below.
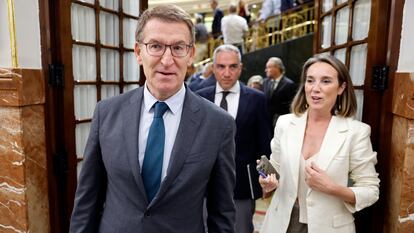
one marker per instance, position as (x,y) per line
(147,214)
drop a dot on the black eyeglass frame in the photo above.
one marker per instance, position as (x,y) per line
(188,46)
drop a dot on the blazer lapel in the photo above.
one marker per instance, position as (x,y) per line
(132,113)
(295,142)
(332,142)
(187,130)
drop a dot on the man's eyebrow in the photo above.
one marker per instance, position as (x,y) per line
(174,43)
(234,64)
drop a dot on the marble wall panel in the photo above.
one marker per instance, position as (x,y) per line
(35,168)
(403,101)
(407,227)
(407,189)
(393,187)
(19,87)
(24,203)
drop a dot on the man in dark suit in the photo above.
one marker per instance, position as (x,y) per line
(217,16)
(278,88)
(248,107)
(145,171)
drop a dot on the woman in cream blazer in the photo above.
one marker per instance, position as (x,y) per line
(324,156)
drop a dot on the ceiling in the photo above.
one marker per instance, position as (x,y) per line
(199,6)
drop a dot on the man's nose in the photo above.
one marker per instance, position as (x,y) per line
(227,71)
(167,58)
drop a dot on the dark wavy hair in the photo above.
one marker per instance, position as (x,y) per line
(345,104)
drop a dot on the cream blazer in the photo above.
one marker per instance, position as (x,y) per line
(346,155)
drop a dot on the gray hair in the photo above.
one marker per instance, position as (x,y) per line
(278,62)
(226,47)
(255,79)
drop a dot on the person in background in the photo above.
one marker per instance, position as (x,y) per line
(323,155)
(208,81)
(206,72)
(201,38)
(191,71)
(217,16)
(256,81)
(243,11)
(248,107)
(278,89)
(234,28)
(146,162)
(274,7)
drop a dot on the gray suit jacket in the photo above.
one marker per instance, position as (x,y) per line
(111,197)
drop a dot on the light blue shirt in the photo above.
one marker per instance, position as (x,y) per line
(171,117)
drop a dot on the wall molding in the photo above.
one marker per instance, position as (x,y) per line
(403,99)
(21,87)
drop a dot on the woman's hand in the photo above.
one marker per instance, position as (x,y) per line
(318,180)
(269,183)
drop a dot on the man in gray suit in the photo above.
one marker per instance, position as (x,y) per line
(121,188)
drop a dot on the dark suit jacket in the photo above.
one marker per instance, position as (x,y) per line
(195,80)
(111,196)
(208,82)
(278,102)
(253,133)
(216,25)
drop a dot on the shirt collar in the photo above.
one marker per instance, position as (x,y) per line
(234,89)
(174,102)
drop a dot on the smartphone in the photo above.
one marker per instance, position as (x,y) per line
(265,167)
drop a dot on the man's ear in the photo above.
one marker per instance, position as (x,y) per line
(192,54)
(137,52)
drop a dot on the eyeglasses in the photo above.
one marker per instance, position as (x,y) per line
(158,49)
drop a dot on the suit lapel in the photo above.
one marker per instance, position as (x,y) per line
(267,86)
(280,85)
(187,130)
(243,104)
(132,113)
(295,142)
(212,94)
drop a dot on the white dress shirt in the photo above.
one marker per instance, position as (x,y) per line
(269,8)
(172,118)
(233,28)
(232,98)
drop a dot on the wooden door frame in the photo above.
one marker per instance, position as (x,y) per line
(385,124)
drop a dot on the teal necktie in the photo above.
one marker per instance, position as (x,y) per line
(154,152)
